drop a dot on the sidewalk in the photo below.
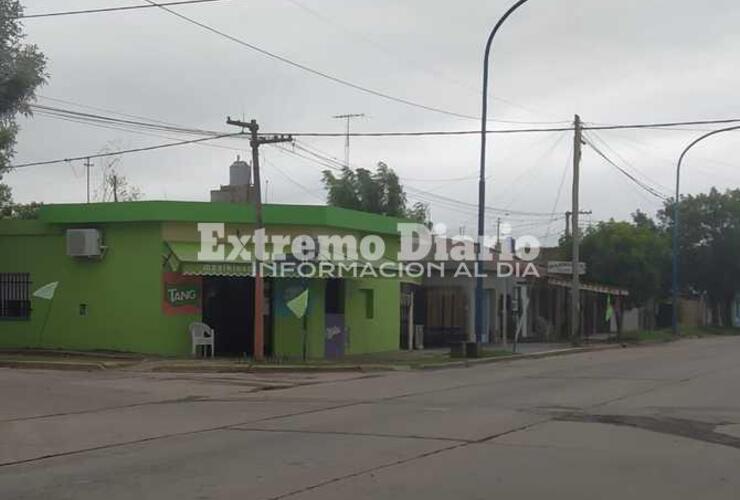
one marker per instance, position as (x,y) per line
(388,361)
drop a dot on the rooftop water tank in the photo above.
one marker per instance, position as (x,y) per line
(240,173)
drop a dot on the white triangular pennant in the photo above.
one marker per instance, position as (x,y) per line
(46,291)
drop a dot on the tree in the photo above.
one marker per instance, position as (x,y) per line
(22,71)
(709,240)
(378,192)
(115,186)
(10,210)
(633,255)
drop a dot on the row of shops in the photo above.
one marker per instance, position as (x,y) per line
(132,277)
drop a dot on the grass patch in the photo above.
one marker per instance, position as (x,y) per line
(648,336)
(708,331)
(666,335)
(496,353)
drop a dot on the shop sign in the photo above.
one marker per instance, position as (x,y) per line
(181,294)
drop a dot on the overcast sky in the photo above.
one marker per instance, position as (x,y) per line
(611,61)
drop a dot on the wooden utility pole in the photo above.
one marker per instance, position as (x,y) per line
(575,300)
(259,286)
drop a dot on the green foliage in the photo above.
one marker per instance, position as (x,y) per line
(378,192)
(9,210)
(709,239)
(22,71)
(635,256)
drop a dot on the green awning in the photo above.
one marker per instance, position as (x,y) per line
(182,257)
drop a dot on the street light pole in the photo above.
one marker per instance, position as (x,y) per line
(676,216)
(479,300)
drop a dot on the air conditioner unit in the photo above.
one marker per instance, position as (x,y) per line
(84,243)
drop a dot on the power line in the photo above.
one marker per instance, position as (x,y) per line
(659,125)
(560,191)
(409,62)
(159,125)
(593,135)
(516,185)
(109,9)
(97,118)
(631,177)
(313,71)
(426,196)
(124,151)
(292,180)
(119,124)
(105,110)
(335,165)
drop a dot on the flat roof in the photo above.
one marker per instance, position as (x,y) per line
(195,211)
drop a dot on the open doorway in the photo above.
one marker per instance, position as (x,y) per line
(228,308)
(335,330)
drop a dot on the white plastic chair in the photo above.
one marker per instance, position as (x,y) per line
(202,335)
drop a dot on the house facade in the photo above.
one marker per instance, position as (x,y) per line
(148,284)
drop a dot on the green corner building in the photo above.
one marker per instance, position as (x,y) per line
(145,289)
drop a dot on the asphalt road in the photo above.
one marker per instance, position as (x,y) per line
(658,422)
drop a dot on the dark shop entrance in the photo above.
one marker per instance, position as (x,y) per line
(228,308)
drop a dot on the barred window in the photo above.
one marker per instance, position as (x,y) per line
(15,295)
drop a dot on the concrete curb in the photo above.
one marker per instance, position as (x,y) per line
(467,363)
(246,368)
(28,364)
(199,367)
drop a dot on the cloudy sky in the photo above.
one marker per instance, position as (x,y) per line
(625,61)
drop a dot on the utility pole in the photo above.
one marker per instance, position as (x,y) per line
(259,286)
(568,214)
(115,187)
(575,300)
(87,169)
(348,118)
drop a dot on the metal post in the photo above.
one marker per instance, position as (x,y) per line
(676,218)
(348,117)
(482,180)
(87,171)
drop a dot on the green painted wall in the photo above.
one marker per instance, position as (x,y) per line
(288,330)
(123,291)
(378,334)
(188,211)
(122,294)
(382,332)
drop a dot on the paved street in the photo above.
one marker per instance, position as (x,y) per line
(657,422)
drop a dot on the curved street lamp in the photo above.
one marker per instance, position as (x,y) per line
(482,180)
(675,217)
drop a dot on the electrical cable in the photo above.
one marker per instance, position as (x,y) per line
(173,128)
(109,9)
(631,177)
(313,71)
(124,151)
